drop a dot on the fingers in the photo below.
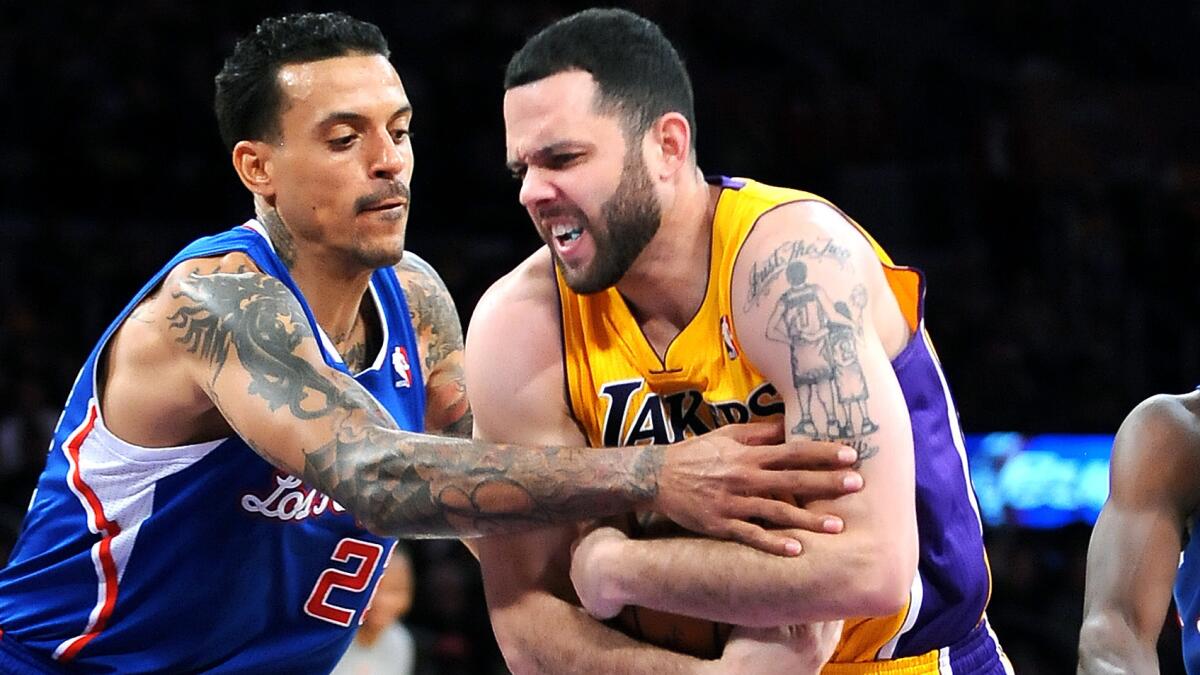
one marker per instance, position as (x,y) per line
(775,543)
(804,485)
(782,514)
(805,454)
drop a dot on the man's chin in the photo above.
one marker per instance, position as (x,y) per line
(583,281)
(380,257)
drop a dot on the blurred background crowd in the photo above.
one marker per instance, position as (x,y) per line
(1040,161)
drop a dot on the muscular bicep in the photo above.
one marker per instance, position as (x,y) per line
(253,352)
(1135,545)
(440,337)
(804,296)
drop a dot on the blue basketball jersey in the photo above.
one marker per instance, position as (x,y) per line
(1187,600)
(202,557)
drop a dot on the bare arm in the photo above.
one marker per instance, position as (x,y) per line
(1132,558)
(519,398)
(439,333)
(241,341)
(872,563)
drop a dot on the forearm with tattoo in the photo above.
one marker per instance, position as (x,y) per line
(396,482)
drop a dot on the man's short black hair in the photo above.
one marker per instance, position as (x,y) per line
(637,70)
(248,96)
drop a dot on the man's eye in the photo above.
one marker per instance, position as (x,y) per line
(558,161)
(342,142)
(519,174)
(400,134)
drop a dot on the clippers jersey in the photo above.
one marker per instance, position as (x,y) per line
(622,393)
(201,557)
(1187,599)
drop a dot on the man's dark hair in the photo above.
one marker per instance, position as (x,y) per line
(637,71)
(248,97)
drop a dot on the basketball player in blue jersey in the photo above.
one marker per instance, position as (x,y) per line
(665,305)
(1145,541)
(243,441)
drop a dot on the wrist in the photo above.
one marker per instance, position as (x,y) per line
(647,470)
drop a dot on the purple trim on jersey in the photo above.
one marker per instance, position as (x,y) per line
(726,182)
(952,566)
(223,567)
(978,654)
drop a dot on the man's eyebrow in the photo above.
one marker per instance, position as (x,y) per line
(540,155)
(353,117)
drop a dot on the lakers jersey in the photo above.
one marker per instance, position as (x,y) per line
(622,393)
(201,557)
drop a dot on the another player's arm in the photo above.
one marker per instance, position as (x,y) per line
(440,338)
(1134,551)
(873,561)
(247,347)
(533,610)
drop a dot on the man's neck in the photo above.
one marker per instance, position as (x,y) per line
(334,292)
(667,283)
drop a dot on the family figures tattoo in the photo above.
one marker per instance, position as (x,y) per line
(823,336)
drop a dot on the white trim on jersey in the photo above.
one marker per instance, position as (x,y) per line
(955,429)
(1008,669)
(115,483)
(916,598)
(944,667)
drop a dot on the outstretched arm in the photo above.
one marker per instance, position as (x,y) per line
(1154,485)
(250,351)
(873,562)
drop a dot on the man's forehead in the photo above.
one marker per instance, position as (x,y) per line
(346,80)
(555,111)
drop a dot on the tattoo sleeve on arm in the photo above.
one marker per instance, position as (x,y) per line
(395,482)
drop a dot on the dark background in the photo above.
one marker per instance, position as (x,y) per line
(1040,161)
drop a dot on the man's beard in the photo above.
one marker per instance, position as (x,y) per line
(631,218)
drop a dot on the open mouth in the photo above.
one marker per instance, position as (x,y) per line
(565,233)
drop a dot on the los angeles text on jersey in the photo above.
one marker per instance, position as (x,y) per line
(291,500)
(672,417)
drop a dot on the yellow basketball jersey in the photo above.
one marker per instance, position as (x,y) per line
(622,393)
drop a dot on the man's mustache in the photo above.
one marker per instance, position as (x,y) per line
(395,190)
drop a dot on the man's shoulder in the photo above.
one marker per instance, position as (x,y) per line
(515,325)
(527,293)
(1175,418)
(1159,444)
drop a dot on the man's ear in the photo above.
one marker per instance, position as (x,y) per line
(671,136)
(252,162)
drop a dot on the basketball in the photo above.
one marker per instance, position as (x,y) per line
(698,637)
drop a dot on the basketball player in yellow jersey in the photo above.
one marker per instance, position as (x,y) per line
(665,305)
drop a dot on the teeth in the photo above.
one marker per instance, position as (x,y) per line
(566,232)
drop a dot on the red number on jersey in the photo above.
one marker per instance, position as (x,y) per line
(368,555)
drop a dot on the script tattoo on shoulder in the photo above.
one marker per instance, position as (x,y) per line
(394,481)
(764,272)
(823,337)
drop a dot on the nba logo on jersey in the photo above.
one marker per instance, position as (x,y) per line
(727,338)
(400,365)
